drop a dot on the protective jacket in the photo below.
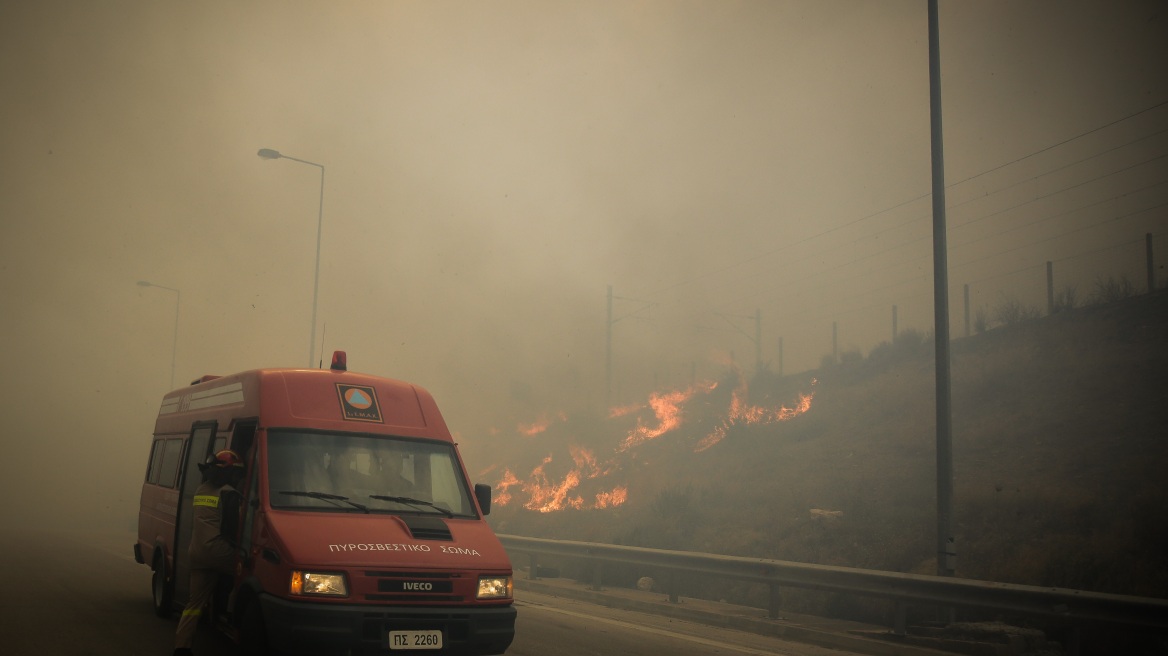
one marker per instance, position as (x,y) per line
(213,530)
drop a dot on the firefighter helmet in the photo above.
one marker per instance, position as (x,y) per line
(225,459)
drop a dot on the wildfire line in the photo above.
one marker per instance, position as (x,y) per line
(545,494)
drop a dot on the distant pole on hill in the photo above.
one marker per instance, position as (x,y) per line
(758,340)
(946,544)
(835,342)
(780,356)
(608,355)
(644,305)
(966,288)
(1049,287)
(1151,264)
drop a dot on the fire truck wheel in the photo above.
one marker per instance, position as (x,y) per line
(163,590)
(253,637)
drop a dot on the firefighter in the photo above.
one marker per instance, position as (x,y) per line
(213,532)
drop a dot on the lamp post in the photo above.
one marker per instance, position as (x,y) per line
(268,153)
(174,343)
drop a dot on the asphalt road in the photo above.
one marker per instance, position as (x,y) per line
(82,594)
(552,625)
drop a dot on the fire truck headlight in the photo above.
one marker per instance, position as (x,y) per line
(495,587)
(318,583)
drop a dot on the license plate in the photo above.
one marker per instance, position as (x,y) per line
(415,640)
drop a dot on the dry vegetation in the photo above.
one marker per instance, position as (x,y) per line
(1059,449)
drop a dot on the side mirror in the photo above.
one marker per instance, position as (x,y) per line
(483,496)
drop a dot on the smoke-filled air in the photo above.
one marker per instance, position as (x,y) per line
(647,256)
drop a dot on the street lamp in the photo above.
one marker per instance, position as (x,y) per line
(174,344)
(268,153)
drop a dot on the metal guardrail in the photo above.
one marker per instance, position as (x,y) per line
(1075,606)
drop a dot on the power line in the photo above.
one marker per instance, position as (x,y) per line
(1064,142)
(958,245)
(1100,250)
(1062,214)
(1056,170)
(1070,232)
(869,292)
(1059,191)
(785,247)
(872,215)
(819,309)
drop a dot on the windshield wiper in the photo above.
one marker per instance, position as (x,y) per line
(413,502)
(326,497)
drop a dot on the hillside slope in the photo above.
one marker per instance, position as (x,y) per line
(1060,454)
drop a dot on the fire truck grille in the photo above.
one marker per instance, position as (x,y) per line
(414,587)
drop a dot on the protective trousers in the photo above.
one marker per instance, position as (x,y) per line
(202,588)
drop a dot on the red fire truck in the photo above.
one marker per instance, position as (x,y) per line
(359,531)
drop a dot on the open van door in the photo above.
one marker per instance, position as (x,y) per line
(198,448)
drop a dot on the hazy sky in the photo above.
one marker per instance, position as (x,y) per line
(492,166)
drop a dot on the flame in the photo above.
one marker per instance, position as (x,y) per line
(540,425)
(547,493)
(509,480)
(612,499)
(667,408)
(546,496)
(535,428)
(741,412)
(620,411)
(586,460)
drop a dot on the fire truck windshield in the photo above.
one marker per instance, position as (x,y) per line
(322,471)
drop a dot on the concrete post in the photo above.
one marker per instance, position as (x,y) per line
(1049,287)
(1151,269)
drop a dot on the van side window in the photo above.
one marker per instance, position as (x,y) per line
(171,456)
(155,462)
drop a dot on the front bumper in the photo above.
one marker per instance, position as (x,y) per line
(305,628)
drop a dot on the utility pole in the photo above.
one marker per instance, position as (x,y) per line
(967,309)
(1151,269)
(780,355)
(608,341)
(894,325)
(758,341)
(835,342)
(608,355)
(1049,287)
(946,543)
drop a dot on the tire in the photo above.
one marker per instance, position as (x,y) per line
(161,589)
(253,635)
